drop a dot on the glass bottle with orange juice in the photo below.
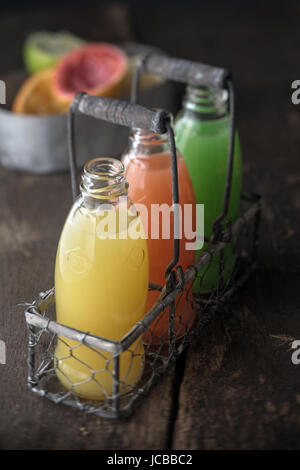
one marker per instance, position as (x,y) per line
(101,282)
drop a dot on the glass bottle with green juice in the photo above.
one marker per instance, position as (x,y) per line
(202,130)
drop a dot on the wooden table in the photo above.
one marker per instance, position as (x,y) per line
(236,387)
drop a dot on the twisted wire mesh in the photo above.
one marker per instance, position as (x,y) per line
(121,372)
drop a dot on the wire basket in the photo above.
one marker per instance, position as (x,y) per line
(44,332)
(114,375)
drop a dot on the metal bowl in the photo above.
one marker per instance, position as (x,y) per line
(38,144)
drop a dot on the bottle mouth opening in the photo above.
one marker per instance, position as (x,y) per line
(103,167)
(206,100)
(147,136)
(208,93)
(145,143)
(104,178)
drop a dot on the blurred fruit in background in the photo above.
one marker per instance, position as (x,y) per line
(98,69)
(44,49)
(61,64)
(36,95)
(34,118)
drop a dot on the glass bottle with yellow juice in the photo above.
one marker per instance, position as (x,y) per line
(101,282)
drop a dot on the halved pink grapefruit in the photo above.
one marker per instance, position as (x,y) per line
(98,69)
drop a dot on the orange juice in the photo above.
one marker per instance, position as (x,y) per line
(100,287)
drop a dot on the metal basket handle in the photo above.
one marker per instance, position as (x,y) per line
(179,70)
(129,115)
(198,75)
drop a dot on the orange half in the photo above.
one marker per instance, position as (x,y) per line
(37,96)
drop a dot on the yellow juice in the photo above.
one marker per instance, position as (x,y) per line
(100,287)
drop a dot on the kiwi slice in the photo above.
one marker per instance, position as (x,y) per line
(43,49)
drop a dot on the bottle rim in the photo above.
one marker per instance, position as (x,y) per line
(104,178)
(206,102)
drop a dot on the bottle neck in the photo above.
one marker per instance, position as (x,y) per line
(103,181)
(144,143)
(206,103)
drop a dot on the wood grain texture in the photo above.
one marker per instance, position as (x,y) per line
(239,388)
(32,212)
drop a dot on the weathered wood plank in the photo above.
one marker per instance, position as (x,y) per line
(32,212)
(240,388)
(31,216)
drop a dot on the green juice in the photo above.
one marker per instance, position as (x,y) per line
(202,135)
